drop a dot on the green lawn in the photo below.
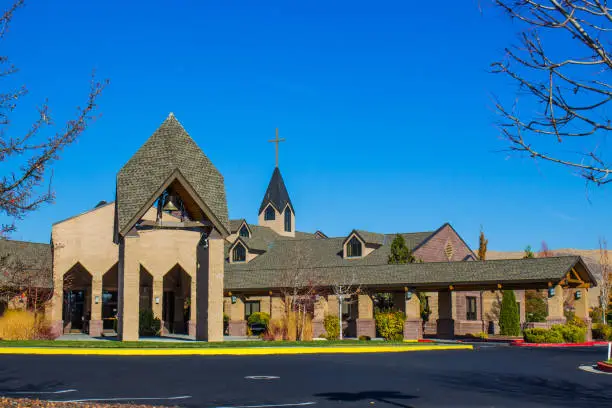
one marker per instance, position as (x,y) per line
(188,344)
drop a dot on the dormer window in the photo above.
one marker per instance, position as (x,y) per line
(244,231)
(287,219)
(239,253)
(270,214)
(353,248)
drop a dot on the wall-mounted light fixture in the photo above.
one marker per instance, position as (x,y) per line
(97,299)
(577,295)
(157,300)
(409,294)
(233,299)
(551,292)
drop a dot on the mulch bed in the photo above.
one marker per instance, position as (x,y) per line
(28,403)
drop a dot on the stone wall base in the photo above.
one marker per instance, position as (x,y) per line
(446,328)
(57,327)
(555,320)
(191,328)
(366,327)
(318,328)
(237,328)
(95,328)
(413,329)
(430,327)
(463,327)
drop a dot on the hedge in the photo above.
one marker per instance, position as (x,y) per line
(390,325)
(558,333)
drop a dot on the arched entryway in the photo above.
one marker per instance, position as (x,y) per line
(176,304)
(76,308)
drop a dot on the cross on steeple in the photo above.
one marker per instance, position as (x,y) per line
(277,141)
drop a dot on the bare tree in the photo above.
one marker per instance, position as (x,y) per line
(545,252)
(31,153)
(24,286)
(606,278)
(345,292)
(568,84)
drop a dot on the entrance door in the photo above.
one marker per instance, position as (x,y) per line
(109,310)
(168,311)
(74,307)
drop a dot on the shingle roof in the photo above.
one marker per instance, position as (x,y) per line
(276,193)
(25,260)
(235,224)
(284,252)
(170,148)
(515,271)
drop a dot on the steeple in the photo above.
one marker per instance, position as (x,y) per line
(276,210)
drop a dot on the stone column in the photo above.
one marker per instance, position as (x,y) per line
(366,326)
(193,309)
(413,326)
(57,306)
(237,324)
(209,273)
(95,324)
(129,289)
(581,309)
(555,307)
(320,311)
(446,322)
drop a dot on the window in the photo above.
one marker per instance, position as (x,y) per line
(269,215)
(287,219)
(470,308)
(353,248)
(250,307)
(244,231)
(239,253)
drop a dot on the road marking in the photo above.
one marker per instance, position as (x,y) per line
(298,404)
(592,369)
(37,392)
(261,377)
(180,397)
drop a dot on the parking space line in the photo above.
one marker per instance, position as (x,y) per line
(297,404)
(180,397)
(36,392)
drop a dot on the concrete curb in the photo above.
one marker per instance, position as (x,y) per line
(559,345)
(250,351)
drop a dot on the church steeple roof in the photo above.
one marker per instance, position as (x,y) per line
(276,193)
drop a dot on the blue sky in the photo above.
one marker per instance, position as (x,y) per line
(386,108)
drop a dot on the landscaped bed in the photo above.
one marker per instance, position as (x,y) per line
(197,344)
(28,403)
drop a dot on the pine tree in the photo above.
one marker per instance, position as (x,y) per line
(482,247)
(528,252)
(400,254)
(509,320)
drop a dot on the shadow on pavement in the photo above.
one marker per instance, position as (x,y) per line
(369,396)
(554,392)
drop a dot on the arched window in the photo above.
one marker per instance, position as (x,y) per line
(269,214)
(244,231)
(287,219)
(239,253)
(353,248)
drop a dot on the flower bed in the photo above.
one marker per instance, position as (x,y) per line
(28,403)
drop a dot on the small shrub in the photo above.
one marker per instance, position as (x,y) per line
(570,333)
(577,322)
(535,335)
(259,318)
(553,336)
(332,327)
(276,330)
(602,331)
(596,315)
(390,325)
(479,335)
(148,324)
(509,321)
(24,325)
(364,338)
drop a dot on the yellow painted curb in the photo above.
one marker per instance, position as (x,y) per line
(245,351)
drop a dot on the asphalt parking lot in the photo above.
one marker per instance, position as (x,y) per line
(487,376)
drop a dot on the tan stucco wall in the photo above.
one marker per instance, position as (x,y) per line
(278,223)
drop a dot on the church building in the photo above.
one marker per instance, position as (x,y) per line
(166,245)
